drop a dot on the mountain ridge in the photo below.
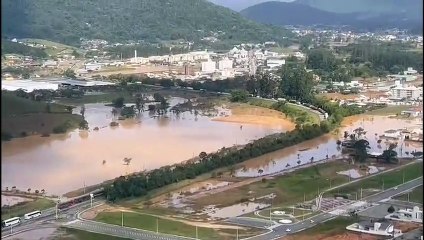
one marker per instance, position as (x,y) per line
(112,20)
(295,13)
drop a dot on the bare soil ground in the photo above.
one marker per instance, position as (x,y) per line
(256,115)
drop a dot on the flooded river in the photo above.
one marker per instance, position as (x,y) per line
(61,163)
(320,148)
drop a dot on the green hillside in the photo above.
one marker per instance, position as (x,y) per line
(121,20)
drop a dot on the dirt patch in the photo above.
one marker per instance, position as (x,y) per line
(257,115)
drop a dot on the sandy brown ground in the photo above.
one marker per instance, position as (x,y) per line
(257,115)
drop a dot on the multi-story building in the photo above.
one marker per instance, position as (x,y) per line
(408,92)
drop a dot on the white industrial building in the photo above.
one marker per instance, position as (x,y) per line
(225,64)
(407,215)
(275,63)
(410,71)
(408,92)
(27,85)
(375,228)
(208,66)
(93,66)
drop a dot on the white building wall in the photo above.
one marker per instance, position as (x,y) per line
(225,64)
(208,67)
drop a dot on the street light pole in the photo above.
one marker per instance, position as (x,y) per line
(157,225)
(270,210)
(237,235)
(197,236)
(122,218)
(361,193)
(403,176)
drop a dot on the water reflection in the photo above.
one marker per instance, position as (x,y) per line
(62,163)
(325,147)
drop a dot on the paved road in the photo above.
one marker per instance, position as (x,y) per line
(280,231)
(47,217)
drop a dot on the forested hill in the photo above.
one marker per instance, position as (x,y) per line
(120,20)
(295,13)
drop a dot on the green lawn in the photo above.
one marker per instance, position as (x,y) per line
(74,234)
(389,110)
(390,179)
(311,116)
(148,222)
(329,228)
(416,195)
(13,105)
(100,98)
(19,210)
(290,188)
(22,117)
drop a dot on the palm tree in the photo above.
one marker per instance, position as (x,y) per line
(29,190)
(37,192)
(43,191)
(260,171)
(312,159)
(7,188)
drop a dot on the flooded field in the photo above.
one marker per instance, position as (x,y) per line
(325,147)
(13,200)
(66,162)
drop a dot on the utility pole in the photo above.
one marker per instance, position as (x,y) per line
(383,185)
(270,209)
(403,176)
(361,193)
(122,218)
(408,196)
(197,235)
(157,225)
(237,237)
(304,197)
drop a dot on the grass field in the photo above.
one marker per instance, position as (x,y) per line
(74,234)
(326,229)
(290,188)
(22,117)
(311,117)
(52,48)
(26,207)
(98,98)
(389,110)
(150,223)
(416,195)
(389,179)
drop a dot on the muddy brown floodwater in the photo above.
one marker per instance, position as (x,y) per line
(320,148)
(61,163)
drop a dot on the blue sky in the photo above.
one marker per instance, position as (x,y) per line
(238,5)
